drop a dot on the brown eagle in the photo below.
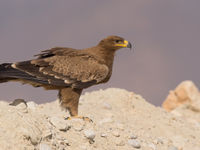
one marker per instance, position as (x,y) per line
(67,70)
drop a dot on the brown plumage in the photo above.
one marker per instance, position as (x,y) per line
(67,70)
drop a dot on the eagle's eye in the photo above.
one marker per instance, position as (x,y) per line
(118,41)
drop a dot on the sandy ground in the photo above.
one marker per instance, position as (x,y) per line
(122,120)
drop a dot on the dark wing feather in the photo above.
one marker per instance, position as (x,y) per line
(66,67)
(33,74)
(54,51)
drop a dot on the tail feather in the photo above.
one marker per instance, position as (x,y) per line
(7,73)
(3,72)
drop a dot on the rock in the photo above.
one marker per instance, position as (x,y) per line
(31,131)
(145,127)
(44,147)
(133,136)
(17,102)
(32,105)
(22,107)
(59,123)
(186,92)
(134,143)
(90,134)
(116,133)
(34,138)
(103,135)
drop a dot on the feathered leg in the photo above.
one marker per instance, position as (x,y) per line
(69,99)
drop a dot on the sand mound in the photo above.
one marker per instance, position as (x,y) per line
(122,120)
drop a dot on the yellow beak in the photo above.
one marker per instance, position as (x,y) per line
(125,44)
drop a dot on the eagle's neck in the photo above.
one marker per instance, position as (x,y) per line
(106,56)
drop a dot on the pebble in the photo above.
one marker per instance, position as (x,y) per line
(134,143)
(103,135)
(22,108)
(34,139)
(172,148)
(32,105)
(116,133)
(60,124)
(90,134)
(133,136)
(17,102)
(44,147)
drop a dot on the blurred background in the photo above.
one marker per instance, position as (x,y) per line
(165,35)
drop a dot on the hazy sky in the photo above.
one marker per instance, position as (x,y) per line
(165,35)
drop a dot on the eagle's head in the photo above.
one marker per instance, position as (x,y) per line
(114,43)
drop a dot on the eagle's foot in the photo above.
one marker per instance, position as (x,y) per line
(79,117)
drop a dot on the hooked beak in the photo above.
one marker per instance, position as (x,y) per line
(126,44)
(129,45)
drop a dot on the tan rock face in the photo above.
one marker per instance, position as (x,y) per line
(186,92)
(129,122)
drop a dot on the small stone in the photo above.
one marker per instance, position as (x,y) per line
(103,135)
(22,108)
(90,134)
(59,123)
(31,133)
(17,102)
(172,148)
(134,143)
(107,106)
(116,133)
(133,136)
(32,105)
(44,147)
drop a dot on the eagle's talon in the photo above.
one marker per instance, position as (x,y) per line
(79,117)
(67,118)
